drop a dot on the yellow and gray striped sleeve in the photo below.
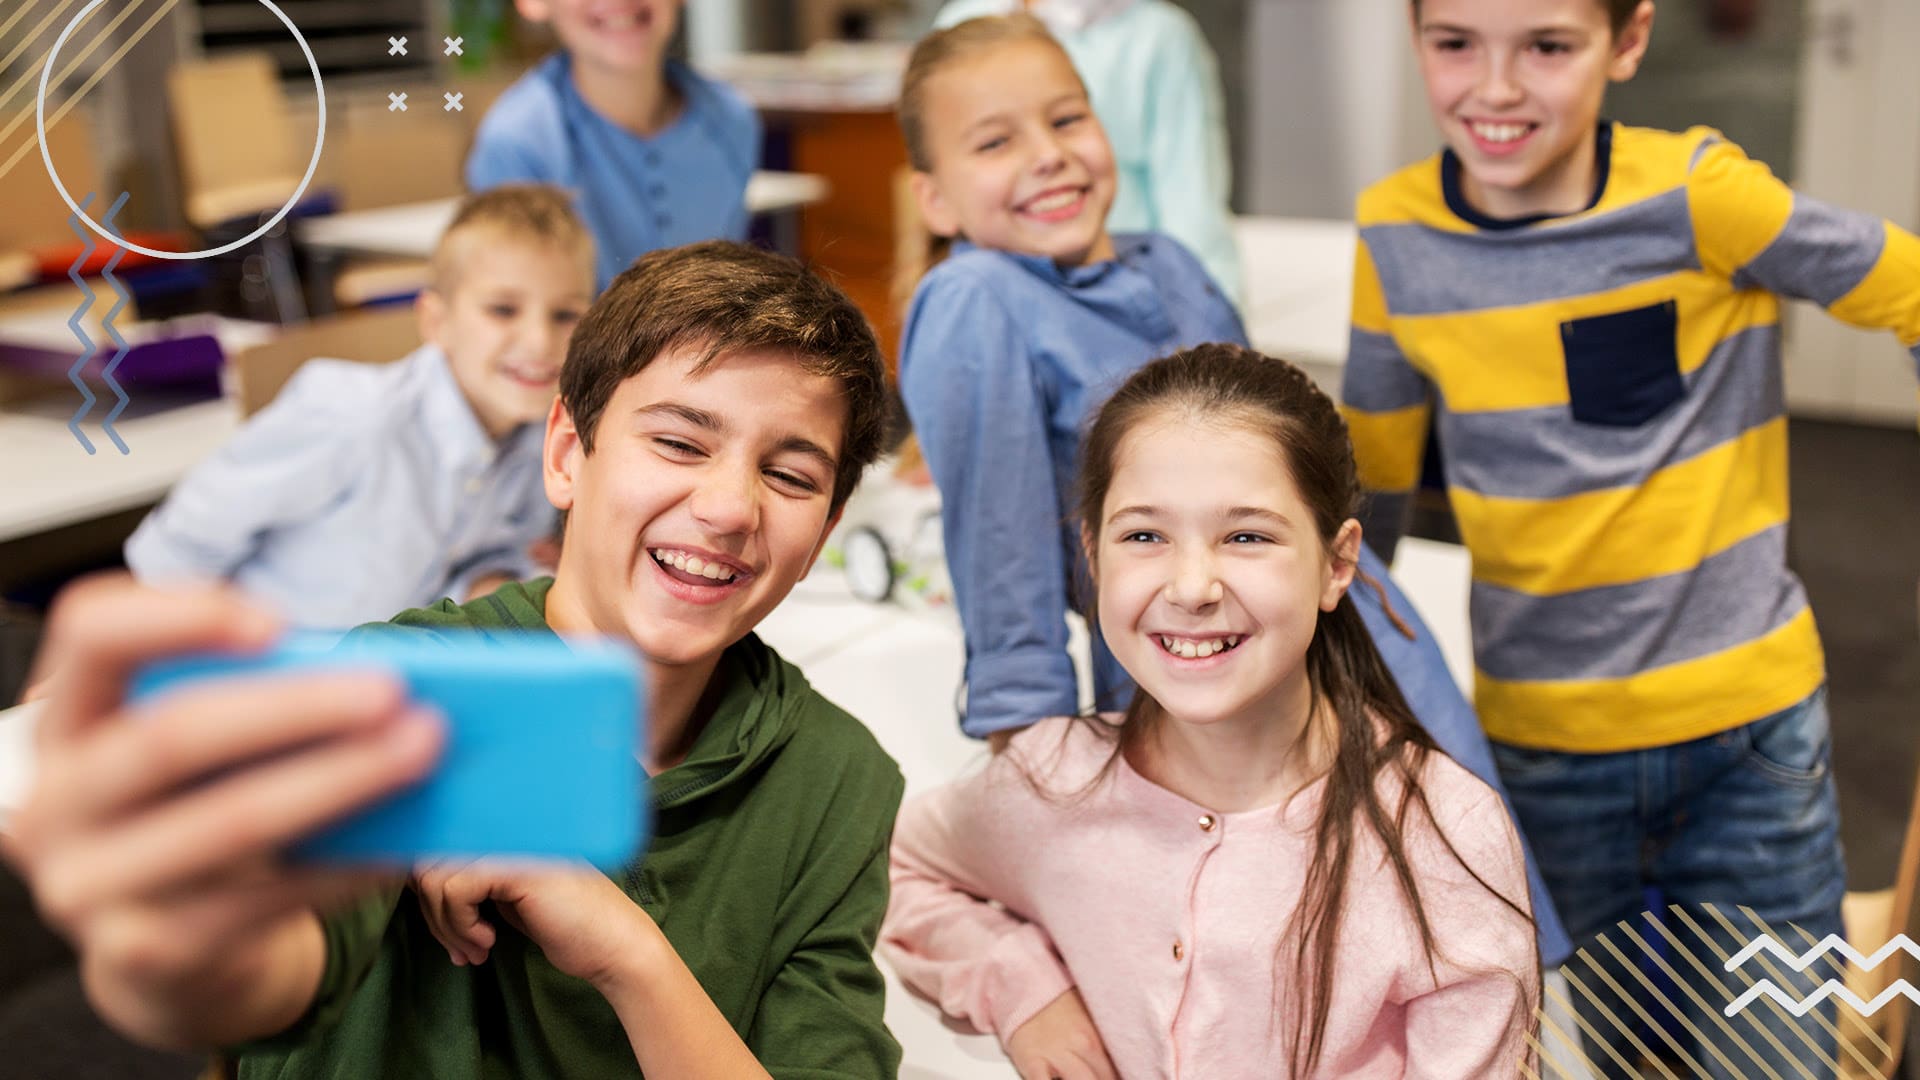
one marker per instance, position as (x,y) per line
(1755,230)
(1388,405)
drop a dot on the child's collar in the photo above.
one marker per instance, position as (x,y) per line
(1456,196)
(1124,248)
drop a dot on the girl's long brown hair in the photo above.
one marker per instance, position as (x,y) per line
(1229,385)
(919,252)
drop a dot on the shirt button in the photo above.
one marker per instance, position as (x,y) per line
(1207,823)
(653,158)
(657,191)
(662,220)
(1178,951)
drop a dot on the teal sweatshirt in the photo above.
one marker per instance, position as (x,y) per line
(767,872)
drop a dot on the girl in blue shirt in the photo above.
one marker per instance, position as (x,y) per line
(1032,315)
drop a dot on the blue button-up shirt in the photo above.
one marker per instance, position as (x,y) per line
(1006,357)
(362,490)
(687,183)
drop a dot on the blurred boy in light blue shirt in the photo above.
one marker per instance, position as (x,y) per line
(1156,87)
(656,155)
(363,490)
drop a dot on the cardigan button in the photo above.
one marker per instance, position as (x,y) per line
(1178,951)
(1207,822)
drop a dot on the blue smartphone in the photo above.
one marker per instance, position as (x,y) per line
(541,757)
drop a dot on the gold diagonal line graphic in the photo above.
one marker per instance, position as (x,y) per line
(1782,980)
(18,14)
(58,7)
(166,6)
(1603,1042)
(1791,1022)
(1624,1028)
(1673,1010)
(1719,987)
(73,62)
(1525,1069)
(1638,1010)
(1795,1024)
(1572,1044)
(32,77)
(1686,987)
(1858,1021)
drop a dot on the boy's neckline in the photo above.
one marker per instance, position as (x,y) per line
(1455,193)
(1125,246)
(674,100)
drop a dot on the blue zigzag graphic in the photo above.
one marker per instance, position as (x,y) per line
(119,343)
(86,343)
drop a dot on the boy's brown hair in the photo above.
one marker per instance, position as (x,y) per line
(1618,11)
(721,297)
(536,214)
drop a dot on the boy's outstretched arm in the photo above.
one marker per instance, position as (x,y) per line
(1755,230)
(149,839)
(980,414)
(1388,405)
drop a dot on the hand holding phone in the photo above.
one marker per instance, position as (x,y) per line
(541,755)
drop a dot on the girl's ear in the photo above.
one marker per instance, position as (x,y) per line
(560,456)
(1343,558)
(1086,549)
(1630,44)
(935,212)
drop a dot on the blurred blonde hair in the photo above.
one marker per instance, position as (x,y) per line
(538,215)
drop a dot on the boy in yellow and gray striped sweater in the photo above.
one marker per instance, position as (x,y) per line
(1589,312)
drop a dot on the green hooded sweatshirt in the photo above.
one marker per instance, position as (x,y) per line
(767,872)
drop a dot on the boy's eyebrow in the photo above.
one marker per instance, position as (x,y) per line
(701,418)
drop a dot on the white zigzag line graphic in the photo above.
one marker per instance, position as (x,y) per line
(1830,988)
(1830,943)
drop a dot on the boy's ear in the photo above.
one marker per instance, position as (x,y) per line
(533,10)
(833,522)
(430,309)
(1343,558)
(560,456)
(935,212)
(1630,45)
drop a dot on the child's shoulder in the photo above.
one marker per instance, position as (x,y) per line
(1412,193)
(712,96)
(529,109)
(822,740)
(1061,755)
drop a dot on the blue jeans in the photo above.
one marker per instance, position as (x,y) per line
(1745,821)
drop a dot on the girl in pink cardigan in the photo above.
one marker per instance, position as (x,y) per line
(1262,869)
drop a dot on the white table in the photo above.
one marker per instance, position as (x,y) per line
(411,230)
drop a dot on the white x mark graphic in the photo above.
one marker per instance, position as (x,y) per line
(396,102)
(453,46)
(396,46)
(453,102)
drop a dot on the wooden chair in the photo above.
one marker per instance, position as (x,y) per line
(231,138)
(1872,919)
(373,336)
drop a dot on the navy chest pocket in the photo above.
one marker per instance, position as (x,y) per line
(1623,369)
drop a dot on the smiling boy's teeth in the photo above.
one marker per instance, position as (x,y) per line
(1053,202)
(1500,133)
(693,564)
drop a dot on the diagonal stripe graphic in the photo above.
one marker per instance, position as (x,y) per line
(39,28)
(73,64)
(165,7)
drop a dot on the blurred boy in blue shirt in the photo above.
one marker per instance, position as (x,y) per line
(362,489)
(656,155)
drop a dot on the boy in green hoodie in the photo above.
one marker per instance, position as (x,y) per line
(716,408)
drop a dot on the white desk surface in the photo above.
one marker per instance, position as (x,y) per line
(411,230)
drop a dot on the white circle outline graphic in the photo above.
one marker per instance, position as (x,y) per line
(40,126)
